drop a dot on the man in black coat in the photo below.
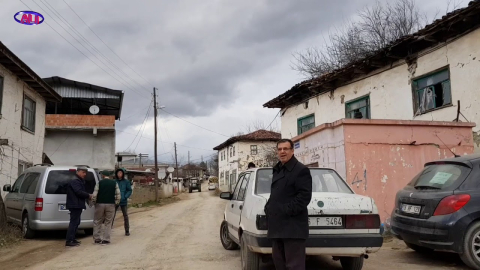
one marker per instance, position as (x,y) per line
(76,196)
(286,210)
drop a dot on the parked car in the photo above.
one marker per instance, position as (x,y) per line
(212,186)
(343,224)
(195,184)
(439,209)
(37,200)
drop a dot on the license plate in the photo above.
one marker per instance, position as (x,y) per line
(62,207)
(411,209)
(325,221)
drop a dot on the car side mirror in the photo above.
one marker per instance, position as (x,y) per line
(7,188)
(226,195)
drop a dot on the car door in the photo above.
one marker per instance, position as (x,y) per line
(14,200)
(239,202)
(232,220)
(27,190)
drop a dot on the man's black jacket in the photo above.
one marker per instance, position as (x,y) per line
(291,192)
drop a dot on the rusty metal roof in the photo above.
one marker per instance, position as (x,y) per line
(10,61)
(452,25)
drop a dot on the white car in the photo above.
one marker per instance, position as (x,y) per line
(343,225)
(212,186)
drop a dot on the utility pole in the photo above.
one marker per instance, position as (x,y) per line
(156,163)
(142,156)
(176,166)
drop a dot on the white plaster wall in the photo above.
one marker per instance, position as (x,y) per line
(241,158)
(75,147)
(22,144)
(391,91)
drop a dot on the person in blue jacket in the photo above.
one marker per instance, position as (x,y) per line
(125,192)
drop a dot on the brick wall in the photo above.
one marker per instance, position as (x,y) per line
(72,120)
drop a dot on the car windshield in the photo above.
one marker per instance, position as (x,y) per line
(58,180)
(439,176)
(323,180)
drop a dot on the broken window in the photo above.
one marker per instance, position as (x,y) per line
(432,92)
(358,108)
(306,123)
(253,150)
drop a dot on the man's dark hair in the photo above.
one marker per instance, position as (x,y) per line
(284,141)
(251,165)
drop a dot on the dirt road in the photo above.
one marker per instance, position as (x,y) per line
(185,235)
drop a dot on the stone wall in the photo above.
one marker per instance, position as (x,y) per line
(144,194)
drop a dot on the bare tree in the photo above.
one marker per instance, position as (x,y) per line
(377,26)
(259,124)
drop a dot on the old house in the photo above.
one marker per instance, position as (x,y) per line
(235,153)
(377,121)
(23,98)
(431,75)
(80,130)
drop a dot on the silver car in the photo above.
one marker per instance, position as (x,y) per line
(37,199)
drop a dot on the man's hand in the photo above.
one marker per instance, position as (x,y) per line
(90,196)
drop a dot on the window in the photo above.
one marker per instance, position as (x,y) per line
(30,180)
(323,180)
(306,123)
(58,181)
(253,150)
(237,188)
(28,117)
(243,188)
(18,182)
(432,92)
(1,94)
(358,108)
(234,151)
(22,166)
(440,176)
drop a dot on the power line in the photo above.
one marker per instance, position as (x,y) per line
(106,44)
(273,119)
(144,121)
(144,126)
(88,42)
(195,124)
(78,49)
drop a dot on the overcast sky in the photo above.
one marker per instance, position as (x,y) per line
(214,62)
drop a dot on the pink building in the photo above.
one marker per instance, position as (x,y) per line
(379,157)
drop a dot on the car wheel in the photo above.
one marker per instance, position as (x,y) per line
(352,263)
(27,232)
(418,248)
(471,246)
(250,260)
(227,242)
(88,232)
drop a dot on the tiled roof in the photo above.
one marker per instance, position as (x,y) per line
(259,135)
(453,24)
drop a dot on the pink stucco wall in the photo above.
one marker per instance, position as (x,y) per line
(381,156)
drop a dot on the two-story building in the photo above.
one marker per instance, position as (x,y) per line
(235,153)
(23,98)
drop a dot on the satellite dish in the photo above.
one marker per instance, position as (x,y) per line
(170,169)
(94,109)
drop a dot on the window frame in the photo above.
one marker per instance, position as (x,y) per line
(24,189)
(251,149)
(236,190)
(415,96)
(350,102)
(303,118)
(19,180)
(243,188)
(23,126)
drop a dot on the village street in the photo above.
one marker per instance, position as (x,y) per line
(185,235)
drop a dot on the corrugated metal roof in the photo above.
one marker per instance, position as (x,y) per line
(77,92)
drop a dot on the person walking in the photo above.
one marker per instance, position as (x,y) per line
(286,209)
(106,197)
(76,196)
(126,192)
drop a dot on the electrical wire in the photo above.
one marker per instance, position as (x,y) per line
(106,44)
(79,49)
(144,121)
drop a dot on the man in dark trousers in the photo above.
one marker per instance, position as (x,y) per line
(76,196)
(125,191)
(286,209)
